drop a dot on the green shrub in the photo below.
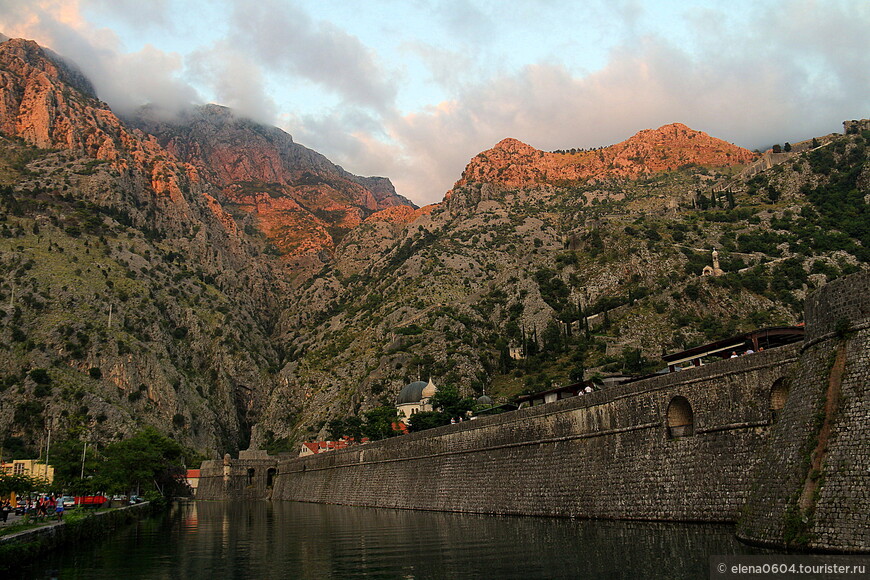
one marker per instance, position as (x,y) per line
(40,376)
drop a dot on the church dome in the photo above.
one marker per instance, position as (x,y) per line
(484,400)
(429,390)
(412,393)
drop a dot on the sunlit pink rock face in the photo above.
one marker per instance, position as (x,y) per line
(512,163)
(301,201)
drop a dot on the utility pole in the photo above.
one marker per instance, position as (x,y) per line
(84,451)
(110,316)
(47,449)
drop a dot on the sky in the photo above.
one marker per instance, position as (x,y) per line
(413,89)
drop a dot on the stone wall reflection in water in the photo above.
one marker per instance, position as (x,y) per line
(296,540)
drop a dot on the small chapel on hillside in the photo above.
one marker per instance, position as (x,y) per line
(715,269)
(414,398)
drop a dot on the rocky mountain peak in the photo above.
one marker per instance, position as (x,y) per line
(26,57)
(299,199)
(511,145)
(512,163)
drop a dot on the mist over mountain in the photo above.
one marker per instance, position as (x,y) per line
(205,274)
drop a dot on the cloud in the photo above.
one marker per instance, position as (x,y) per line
(236,81)
(286,40)
(150,13)
(128,81)
(775,76)
(124,80)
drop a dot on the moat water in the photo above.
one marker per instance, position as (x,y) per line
(216,540)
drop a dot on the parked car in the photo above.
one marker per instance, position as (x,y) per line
(119,498)
(68,502)
(134,499)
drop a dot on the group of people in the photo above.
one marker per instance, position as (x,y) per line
(41,508)
(748,351)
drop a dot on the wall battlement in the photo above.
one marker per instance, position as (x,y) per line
(733,441)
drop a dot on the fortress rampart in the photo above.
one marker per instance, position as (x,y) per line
(748,440)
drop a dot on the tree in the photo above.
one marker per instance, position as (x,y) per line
(552,336)
(448,401)
(19,483)
(66,458)
(427,420)
(379,422)
(347,427)
(787,147)
(635,362)
(447,404)
(145,461)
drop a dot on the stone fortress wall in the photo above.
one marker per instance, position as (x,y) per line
(813,484)
(745,440)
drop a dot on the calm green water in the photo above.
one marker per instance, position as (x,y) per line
(215,540)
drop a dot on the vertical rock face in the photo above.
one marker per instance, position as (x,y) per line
(512,163)
(42,102)
(297,197)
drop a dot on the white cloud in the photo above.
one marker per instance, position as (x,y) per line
(236,81)
(148,13)
(124,80)
(285,40)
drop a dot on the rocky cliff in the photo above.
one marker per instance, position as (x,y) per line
(301,201)
(123,276)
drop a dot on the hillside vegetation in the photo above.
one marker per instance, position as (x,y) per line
(588,278)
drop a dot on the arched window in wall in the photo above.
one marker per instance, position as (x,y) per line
(778,397)
(251,476)
(681,420)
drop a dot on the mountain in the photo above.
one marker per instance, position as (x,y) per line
(128,289)
(586,275)
(512,163)
(301,201)
(206,275)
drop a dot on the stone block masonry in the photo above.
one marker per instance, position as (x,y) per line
(705,444)
(812,490)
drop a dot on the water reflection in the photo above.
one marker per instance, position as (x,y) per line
(216,540)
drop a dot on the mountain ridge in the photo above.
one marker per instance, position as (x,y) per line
(513,163)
